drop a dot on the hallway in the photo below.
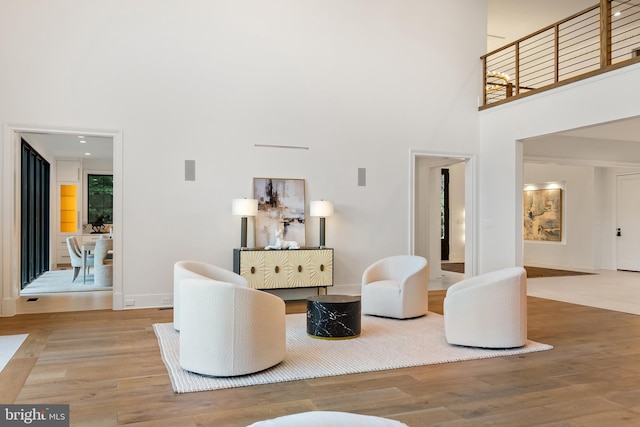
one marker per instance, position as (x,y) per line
(608,289)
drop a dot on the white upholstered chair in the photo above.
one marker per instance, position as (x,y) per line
(489,310)
(103,265)
(328,418)
(396,287)
(75,255)
(229,330)
(198,270)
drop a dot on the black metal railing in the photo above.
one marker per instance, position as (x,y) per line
(598,39)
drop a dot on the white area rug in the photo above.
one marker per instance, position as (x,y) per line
(383,344)
(9,344)
(61,281)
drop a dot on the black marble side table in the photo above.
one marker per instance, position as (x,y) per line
(333,317)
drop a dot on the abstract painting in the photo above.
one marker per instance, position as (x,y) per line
(542,211)
(280,210)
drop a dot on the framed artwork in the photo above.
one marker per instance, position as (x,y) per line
(280,210)
(542,212)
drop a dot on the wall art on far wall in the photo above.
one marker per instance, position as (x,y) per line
(280,210)
(542,211)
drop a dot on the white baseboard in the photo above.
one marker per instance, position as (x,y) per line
(147,301)
(129,302)
(345,289)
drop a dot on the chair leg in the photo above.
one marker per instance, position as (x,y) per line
(76,270)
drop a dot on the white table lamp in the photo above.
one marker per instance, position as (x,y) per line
(244,208)
(322,209)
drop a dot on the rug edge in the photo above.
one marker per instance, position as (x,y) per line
(177,388)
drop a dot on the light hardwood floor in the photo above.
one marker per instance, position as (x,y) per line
(107,366)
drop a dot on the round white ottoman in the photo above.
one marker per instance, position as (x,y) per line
(328,418)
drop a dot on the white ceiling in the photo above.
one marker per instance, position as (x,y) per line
(508,20)
(69,146)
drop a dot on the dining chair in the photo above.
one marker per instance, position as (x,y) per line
(103,266)
(75,253)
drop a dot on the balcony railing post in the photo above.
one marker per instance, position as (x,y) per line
(556,54)
(605,33)
(484,80)
(517,66)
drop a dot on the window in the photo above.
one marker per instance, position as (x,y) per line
(34,215)
(444,215)
(100,200)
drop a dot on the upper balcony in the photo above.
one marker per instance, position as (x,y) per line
(599,39)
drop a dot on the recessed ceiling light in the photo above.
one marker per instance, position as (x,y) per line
(87,154)
(80,136)
(82,141)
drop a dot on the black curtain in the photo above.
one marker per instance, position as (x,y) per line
(34,207)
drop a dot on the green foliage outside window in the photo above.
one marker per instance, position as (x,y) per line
(100,199)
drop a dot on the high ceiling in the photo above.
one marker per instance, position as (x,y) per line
(508,20)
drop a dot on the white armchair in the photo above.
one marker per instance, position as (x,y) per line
(489,310)
(396,287)
(103,265)
(228,330)
(198,270)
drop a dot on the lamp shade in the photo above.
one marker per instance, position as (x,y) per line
(321,208)
(244,207)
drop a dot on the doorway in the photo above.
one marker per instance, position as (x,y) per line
(627,226)
(75,158)
(427,210)
(11,278)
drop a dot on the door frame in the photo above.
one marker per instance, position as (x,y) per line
(471,208)
(10,250)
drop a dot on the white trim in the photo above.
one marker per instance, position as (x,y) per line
(7,267)
(581,162)
(518,244)
(470,201)
(471,217)
(9,252)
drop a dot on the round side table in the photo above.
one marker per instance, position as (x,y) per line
(333,317)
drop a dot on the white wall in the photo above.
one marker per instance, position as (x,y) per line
(607,97)
(360,83)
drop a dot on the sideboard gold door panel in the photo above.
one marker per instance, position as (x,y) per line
(252,268)
(321,268)
(275,269)
(299,269)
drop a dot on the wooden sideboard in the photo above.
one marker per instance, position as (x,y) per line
(285,268)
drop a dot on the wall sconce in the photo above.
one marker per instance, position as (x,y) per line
(244,208)
(323,209)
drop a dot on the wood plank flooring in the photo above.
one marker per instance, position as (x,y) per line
(107,366)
